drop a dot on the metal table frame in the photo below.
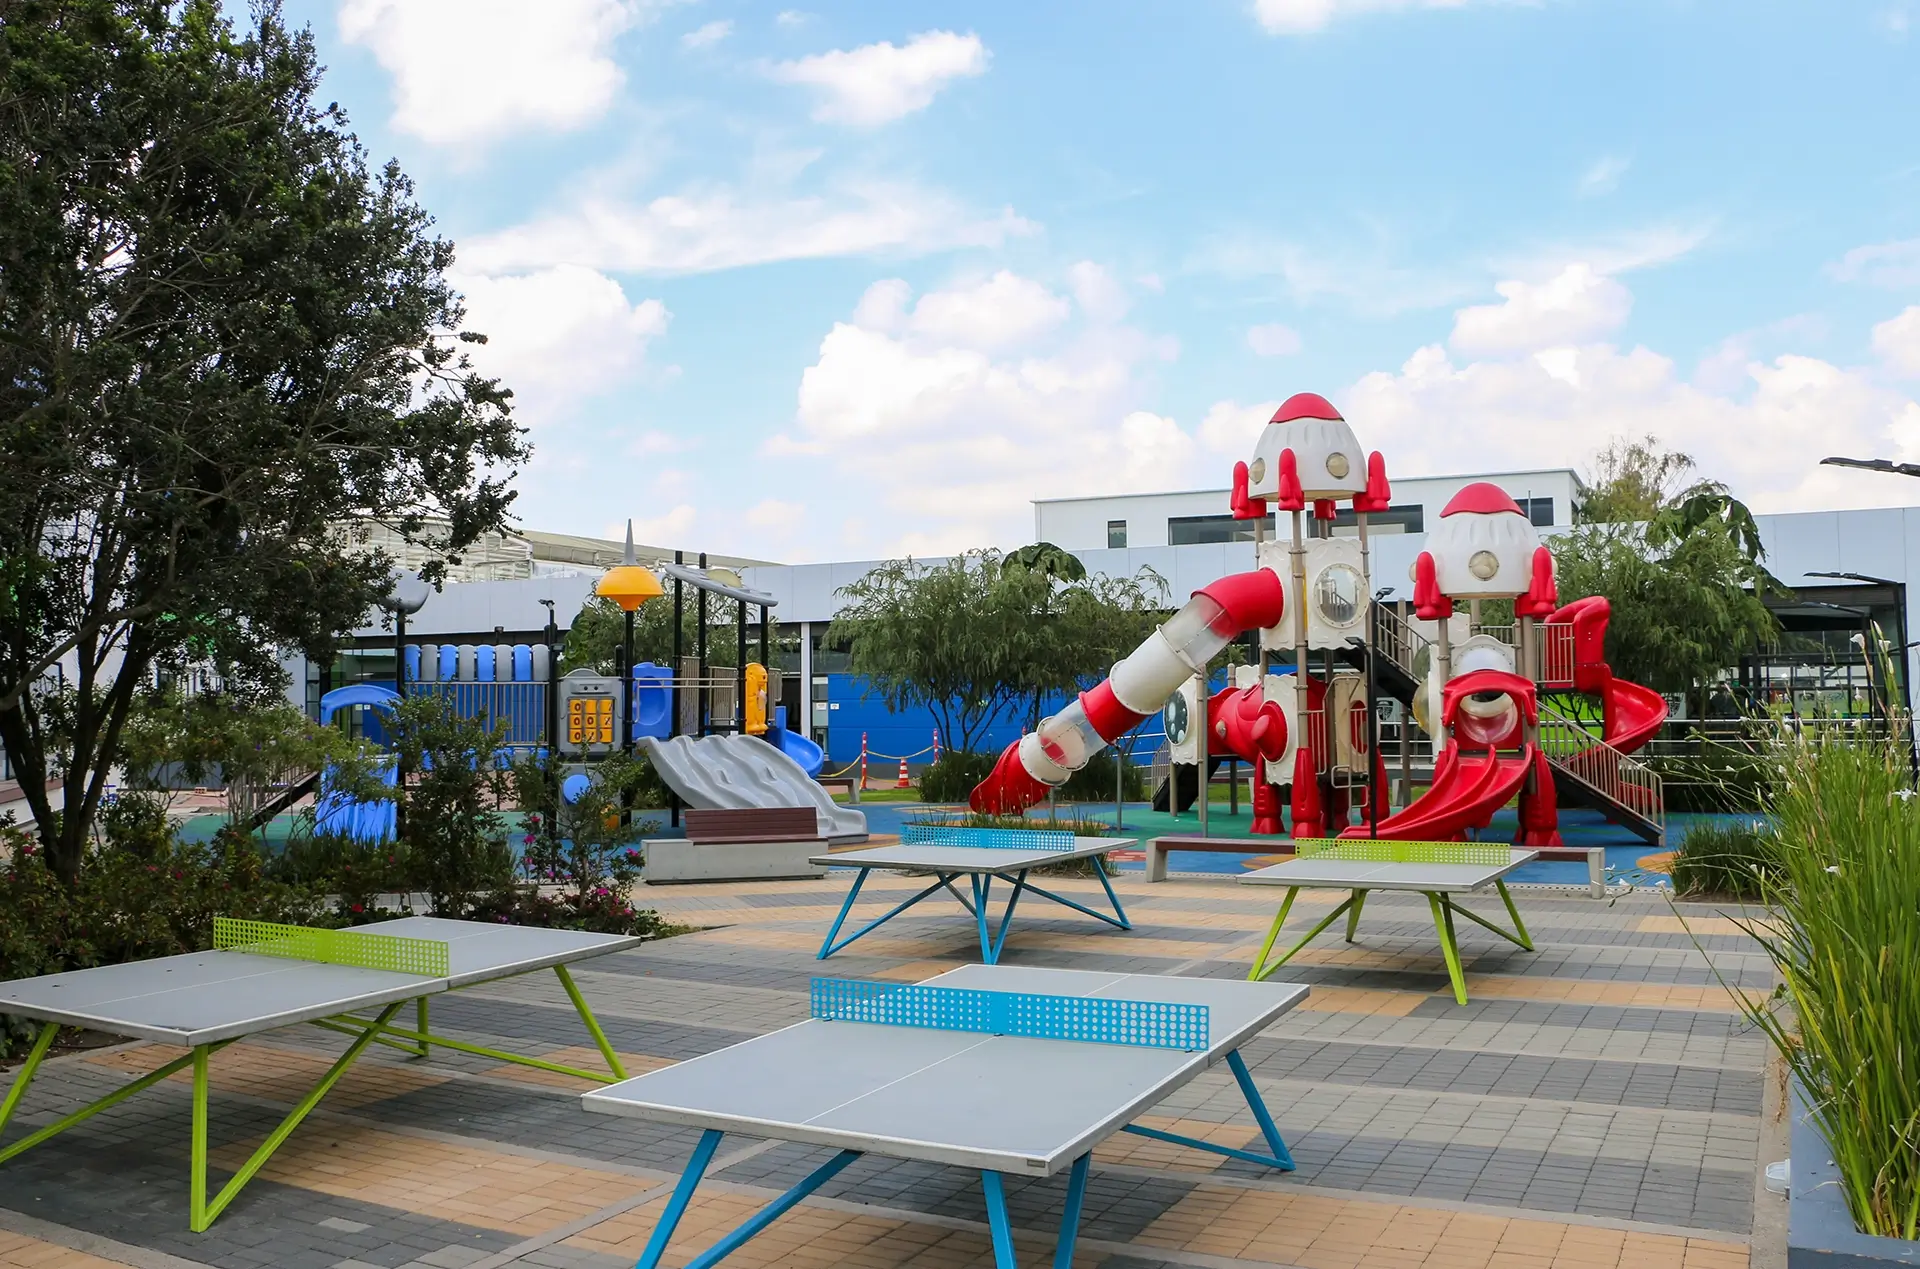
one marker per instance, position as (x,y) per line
(980,875)
(1439,899)
(379,1029)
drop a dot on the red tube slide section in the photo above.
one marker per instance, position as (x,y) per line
(1137,687)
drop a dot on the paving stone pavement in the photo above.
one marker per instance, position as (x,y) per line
(1598,1103)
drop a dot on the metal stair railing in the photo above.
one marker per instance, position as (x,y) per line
(1629,784)
(1396,640)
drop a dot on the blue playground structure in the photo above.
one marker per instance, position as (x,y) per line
(366,823)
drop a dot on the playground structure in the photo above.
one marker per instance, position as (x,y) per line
(1308,727)
(716,739)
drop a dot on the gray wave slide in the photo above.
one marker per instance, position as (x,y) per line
(741,772)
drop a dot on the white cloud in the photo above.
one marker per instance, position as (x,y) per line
(709,34)
(1273,340)
(950,432)
(1556,407)
(1230,429)
(1897,340)
(1574,306)
(1604,176)
(723,229)
(792,17)
(878,83)
(468,71)
(557,335)
(1888,264)
(772,513)
(1004,310)
(1301,17)
(669,530)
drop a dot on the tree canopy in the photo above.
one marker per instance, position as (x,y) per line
(594,639)
(223,335)
(1679,560)
(978,634)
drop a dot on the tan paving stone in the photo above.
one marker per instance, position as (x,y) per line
(280,1074)
(17,1251)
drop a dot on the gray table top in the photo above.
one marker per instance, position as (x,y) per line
(1360,874)
(205,997)
(1004,1103)
(992,860)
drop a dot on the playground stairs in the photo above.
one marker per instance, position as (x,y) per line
(1587,771)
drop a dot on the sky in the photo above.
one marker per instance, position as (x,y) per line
(854,280)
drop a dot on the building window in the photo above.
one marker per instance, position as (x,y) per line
(1539,511)
(1198,530)
(1409,517)
(1116,533)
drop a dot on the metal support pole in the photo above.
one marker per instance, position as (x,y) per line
(551,725)
(740,668)
(1202,735)
(626,715)
(764,623)
(1406,719)
(679,668)
(399,753)
(703,708)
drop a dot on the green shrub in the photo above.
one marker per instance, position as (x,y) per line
(456,837)
(127,906)
(1735,859)
(953,777)
(135,822)
(1716,779)
(1844,938)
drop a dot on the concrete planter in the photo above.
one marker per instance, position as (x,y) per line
(673,860)
(1820,1230)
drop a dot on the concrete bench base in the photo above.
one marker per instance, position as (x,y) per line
(1157,849)
(673,860)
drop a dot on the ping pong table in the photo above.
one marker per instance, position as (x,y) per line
(260,976)
(1439,870)
(980,855)
(1010,1070)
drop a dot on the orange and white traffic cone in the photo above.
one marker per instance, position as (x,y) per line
(903,782)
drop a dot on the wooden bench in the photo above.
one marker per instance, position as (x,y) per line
(1157,849)
(761,843)
(752,824)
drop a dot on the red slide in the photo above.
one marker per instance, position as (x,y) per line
(1634,714)
(1466,792)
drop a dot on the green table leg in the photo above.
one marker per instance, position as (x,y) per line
(420,1024)
(24,1076)
(1353,913)
(1443,924)
(114,1098)
(1273,932)
(1262,969)
(1525,940)
(1520,939)
(204,1212)
(593,1024)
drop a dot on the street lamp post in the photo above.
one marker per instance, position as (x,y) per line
(628,585)
(407,594)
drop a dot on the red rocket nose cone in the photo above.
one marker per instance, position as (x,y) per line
(1481,499)
(1304,405)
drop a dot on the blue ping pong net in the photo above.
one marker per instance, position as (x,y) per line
(987,838)
(1151,1024)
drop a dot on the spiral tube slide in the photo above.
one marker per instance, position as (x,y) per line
(1137,688)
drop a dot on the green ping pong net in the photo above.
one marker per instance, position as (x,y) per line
(424,957)
(1385,851)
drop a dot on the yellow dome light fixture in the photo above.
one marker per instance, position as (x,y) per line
(628,583)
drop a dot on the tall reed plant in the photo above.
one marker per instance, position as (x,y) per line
(1844,935)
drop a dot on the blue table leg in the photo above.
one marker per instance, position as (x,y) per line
(981,885)
(1280,1158)
(997,1221)
(1258,1104)
(1065,902)
(1006,918)
(682,1195)
(1070,1219)
(828,947)
(772,1211)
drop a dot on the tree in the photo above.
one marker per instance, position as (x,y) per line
(248,747)
(1686,577)
(456,838)
(1630,481)
(975,635)
(222,336)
